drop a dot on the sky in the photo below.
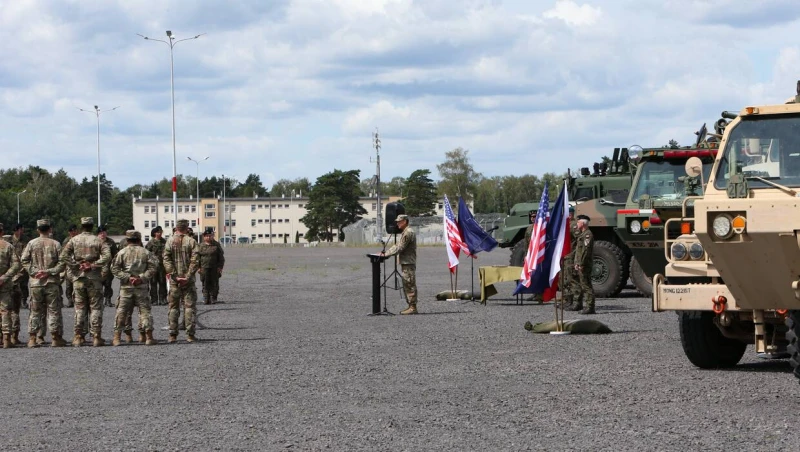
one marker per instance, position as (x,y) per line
(296,88)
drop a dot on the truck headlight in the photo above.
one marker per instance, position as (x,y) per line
(696,251)
(636,226)
(722,226)
(678,251)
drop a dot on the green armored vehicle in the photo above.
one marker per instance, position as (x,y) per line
(598,194)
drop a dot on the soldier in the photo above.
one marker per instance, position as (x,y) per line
(41,260)
(134,266)
(569,279)
(406,251)
(86,254)
(108,278)
(158,284)
(212,259)
(21,279)
(528,235)
(583,264)
(72,232)
(9,266)
(181,261)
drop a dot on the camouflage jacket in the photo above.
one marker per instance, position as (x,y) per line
(211,255)
(181,258)
(9,264)
(66,240)
(134,260)
(42,254)
(156,246)
(19,246)
(86,247)
(406,249)
(583,250)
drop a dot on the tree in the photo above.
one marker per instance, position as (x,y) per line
(420,193)
(285,187)
(458,176)
(333,203)
(252,186)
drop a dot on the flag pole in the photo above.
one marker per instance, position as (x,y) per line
(455,287)
(472,279)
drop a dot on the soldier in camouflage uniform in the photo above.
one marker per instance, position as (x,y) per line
(134,266)
(406,251)
(86,254)
(108,278)
(181,260)
(569,279)
(212,260)
(41,259)
(583,264)
(9,266)
(21,279)
(67,276)
(158,284)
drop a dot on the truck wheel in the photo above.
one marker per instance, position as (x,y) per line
(609,273)
(518,253)
(793,336)
(704,344)
(642,282)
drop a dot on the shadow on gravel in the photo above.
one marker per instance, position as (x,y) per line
(443,312)
(774,365)
(625,295)
(616,309)
(247,339)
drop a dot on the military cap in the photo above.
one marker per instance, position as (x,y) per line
(42,222)
(131,234)
(401,218)
(158,229)
(102,229)
(208,231)
(182,224)
(583,217)
(532,212)
(17,227)
(87,220)
(72,227)
(571,209)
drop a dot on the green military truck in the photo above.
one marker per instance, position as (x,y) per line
(656,195)
(599,194)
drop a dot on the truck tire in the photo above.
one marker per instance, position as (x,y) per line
(793,336)
(609,269)
(704,344)
(518,253)
(643,283)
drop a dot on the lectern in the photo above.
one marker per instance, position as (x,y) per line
(376,260)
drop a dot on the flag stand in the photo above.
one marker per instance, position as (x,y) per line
(559,305)
(453,287)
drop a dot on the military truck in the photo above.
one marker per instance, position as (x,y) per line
(597,193)
(657,194)
(734,275)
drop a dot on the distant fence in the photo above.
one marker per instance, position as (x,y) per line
(429,230)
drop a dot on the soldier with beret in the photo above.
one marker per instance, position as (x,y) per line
(9,266)
(134,266)
(181,261)
(406,251)
(158,284)
(41,260)
(583,265)
(108,278)
(212,260)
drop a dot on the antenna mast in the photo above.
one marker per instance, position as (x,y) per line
(376,142)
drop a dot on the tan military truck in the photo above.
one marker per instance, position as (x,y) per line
(733,276)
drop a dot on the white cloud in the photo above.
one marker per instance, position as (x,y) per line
(573,14)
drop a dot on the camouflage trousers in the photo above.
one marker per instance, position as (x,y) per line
(128,298)
(584,287)
(569,279)
(69,290)
(210,280)
(185,297)
(45,306)
(108,291)
(7,307)
(158,286)
(16,306)
(129,316)
(88,298)
(409,273)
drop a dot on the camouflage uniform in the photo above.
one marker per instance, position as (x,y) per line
(21,291)
(108,278)
(88,285)
(569,278)
(406,251)
(133,261)
(158,284)
(212,260)
(181,260)
(42,254)
(584,258)
(9,266)
(67,275)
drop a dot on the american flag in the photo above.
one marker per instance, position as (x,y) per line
(452,237)
(536,248)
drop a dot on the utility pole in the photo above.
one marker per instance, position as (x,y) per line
(376,142)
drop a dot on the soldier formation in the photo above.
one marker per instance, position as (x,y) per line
(162,272)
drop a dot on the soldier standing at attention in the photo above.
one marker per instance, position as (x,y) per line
(108,278)
(158,284)
(583,264)
(212,259)
(22,277)
(86,254)
(181,260)
(134,266)
(9,266)
(41,259)
(406,251)
(72,232)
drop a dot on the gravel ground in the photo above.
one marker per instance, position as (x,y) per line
(291,361)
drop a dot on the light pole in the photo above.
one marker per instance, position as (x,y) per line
(23,191)
(97,112)
(197,163)
(171,43)
(224,227)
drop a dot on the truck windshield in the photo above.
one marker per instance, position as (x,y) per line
(667,179)
(767,147)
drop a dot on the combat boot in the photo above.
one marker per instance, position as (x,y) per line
(589,309)
(128,337)
(142,337)
(206,299)
(40,340)
(172,338)
(58,341)
(116,341)
(576,306)
(15,338)
(7,341)
(77,341)
(150,340)
(214,300)
(32,341)
(98,342)
(412,309)
(191,338)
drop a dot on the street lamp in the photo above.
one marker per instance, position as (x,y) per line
(97,112)
(171,43)
(197,163)
(23,191)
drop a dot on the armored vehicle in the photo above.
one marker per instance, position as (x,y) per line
(657,194)
(597,193)
(733,276)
